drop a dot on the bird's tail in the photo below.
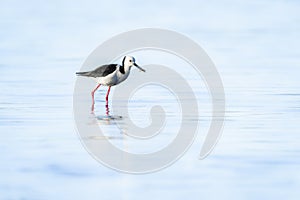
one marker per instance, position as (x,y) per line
(82,73)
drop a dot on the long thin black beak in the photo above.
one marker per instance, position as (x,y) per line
(139,67)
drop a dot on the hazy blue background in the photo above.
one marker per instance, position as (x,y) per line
(255,46)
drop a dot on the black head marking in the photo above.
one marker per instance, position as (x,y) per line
(123,61)
(121,69)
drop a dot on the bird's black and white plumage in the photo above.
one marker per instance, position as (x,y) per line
(112,74)
(101,71)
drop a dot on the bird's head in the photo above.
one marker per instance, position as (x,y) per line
(129,61)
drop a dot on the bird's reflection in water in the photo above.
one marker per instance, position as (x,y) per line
(106,122)
(107,119)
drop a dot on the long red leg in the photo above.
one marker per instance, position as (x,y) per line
(93,93)
(107,95)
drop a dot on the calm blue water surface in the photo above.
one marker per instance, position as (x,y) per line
(255,47)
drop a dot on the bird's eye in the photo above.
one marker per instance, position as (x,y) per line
(130,60)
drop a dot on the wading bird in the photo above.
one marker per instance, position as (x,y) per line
(110,75)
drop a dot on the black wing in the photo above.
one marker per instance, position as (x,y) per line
(101,71)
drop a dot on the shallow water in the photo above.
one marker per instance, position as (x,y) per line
(41,154)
